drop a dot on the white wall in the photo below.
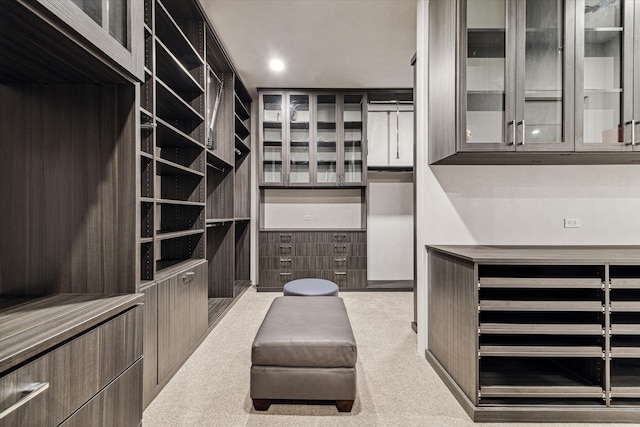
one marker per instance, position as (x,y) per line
(515,205)
(317,208)
(390,226)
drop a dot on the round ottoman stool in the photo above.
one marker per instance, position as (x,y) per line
(310,287)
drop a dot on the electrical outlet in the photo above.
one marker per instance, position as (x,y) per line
(306,217)
(571,223)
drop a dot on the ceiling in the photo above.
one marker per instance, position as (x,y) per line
(323,43)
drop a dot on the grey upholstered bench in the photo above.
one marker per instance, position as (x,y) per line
(304,350)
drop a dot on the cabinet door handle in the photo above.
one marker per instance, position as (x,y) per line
(512,123)
(188,276)
(521,123)
(633,131)
(30,391)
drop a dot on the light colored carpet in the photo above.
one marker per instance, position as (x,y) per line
(396,386)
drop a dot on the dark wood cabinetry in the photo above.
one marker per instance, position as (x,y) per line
(336,255)
(194,191)
(529,82)
(312,138)
(540,329)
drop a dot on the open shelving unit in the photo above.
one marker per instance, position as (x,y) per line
(192,165)
(540,333)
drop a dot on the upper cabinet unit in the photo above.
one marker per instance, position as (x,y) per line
(312,139)
(608,75)
(550,78)
(109,33)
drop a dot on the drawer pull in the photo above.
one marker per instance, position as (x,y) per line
(188,276)
(340,273)
(340,259)
(30,391)
(285,259)
(285,274)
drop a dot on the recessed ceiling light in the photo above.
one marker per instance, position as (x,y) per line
(276,65)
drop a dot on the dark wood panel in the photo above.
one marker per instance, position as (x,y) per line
(150,344)
(119,404)
(453,319)
(69,222)
(242,182)
(32,328)
(182,317)
(221,254)
(76,371)
(243,251)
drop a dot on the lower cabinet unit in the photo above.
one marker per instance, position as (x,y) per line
(336,255)
(92,377)
(175,323)
(553,332)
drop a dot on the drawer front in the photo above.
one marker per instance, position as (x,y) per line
(119,404)
(75,372)
(150,342)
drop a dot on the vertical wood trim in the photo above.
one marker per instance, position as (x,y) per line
(442,76)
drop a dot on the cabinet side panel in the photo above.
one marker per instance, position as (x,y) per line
(453,319)
(442,79)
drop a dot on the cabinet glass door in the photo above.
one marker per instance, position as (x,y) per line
(542,121)
(352,138)
(272,139)
(327,140)
(109,14)
(299,153)
(602,37)
(486,79)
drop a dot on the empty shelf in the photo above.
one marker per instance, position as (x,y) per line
(540,282)
(625,352)
(540,329)
(625,329)
(625,306)
(540,351)
(625,392)
(625,283)
(542,391)
(509,305)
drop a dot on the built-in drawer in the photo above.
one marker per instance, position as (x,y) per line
(48,389)
(119,404)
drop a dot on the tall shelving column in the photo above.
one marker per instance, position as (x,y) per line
(220,179)
(242,190)
(179,135)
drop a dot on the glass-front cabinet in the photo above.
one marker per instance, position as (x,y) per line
(326,139)
(272,138)
(518,85)
(312,138)
(353,143)
(608,75)
(299,138)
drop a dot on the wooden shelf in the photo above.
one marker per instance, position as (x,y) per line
(563,392)
(164,235)
(172,72)
(169,136)
(170,33)
(540,351)
(165,167)
(540,282)
(178,202)
(625,306)
(633,283)
(242,113)
(171,106)
(541,329)
(509,305)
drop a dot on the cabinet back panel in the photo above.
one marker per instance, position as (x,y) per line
(68,189)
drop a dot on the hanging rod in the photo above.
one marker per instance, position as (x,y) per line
(216,167)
